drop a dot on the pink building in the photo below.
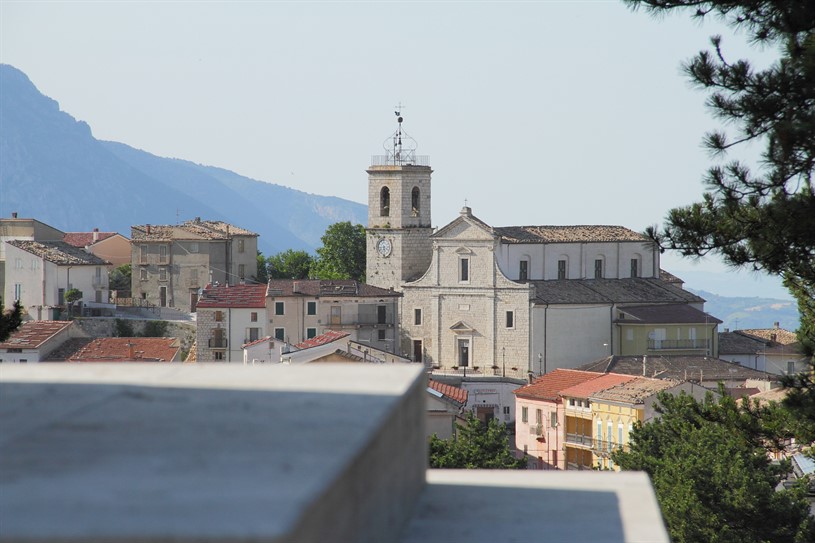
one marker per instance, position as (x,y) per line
(539,417)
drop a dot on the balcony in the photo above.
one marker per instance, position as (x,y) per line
(218,343)
(579,439)
(536,429)
(678,344)
(602,447)
(99,282)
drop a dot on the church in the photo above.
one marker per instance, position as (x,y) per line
(518,301)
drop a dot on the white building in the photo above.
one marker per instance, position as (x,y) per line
(40,273)
(228,318)
(33,341)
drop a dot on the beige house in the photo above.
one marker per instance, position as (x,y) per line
(172,263)
(110,246)
(303,309)
(773,350)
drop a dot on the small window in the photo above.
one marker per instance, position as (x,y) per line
(18,263)
(194,247)
(162,253)
(162,273)
(523,271)
(414,202)
(417,316)
(241,245)
(553,419)
(506,410)
(598,268)
(311,332)
(219,316)
(311,308)
(241,271)
(18,291)
(253,316)
(194,276)
(635,267)
(464,270)
(561,269)
(252,334)
(524,414)
(629,334)
(280,334)
(219,355)
(384,202)
(278,308)
(588,404)
(571,402)
(790,367)
(510,319)
(382,334)
(538,416)
(143,274)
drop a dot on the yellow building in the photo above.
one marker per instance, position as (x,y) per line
(673,329)
(615,409)
(578,437)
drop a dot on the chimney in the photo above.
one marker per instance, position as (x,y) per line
(776,325)
(130,354)
(95,235)
(13,214)
(148,229)
(773,336)
(197,220)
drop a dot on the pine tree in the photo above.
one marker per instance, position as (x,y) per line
(10,320)
(476,446)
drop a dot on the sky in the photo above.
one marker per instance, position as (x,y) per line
(551,112)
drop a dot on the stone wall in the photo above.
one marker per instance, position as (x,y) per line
(105,327)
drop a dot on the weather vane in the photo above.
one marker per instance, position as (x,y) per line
(398,154)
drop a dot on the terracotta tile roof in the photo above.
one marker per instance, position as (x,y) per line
(777,335)
(120,349)
(567,234)
(318,287)
(454,393)
(192,356)
(589,388)
(257,342)
(83,239)
(190,230)
(636,290)
(59,252)
(666,313)
(548,387)
(234,296)
(670,278)
(32,334)
(772,395)
(322,339)
(681,367)
(635,391)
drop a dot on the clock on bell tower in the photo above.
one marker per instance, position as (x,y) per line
(399,229)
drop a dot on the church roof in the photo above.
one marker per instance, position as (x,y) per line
(633,290)
(568,234)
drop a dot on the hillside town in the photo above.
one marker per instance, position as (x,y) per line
(565,334)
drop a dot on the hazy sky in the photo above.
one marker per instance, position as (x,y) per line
(535,112)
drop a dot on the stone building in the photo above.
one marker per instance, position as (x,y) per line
(228,318)
(172,263)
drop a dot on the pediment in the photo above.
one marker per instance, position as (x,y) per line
(464,251)
(465,228)
(461,327)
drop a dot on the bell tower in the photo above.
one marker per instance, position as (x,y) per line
(399,229)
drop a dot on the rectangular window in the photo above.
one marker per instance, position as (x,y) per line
(381,314)
(510,319)
(241,246)
(538,416)
(280,334)
(635,267)
(252,334)
(572,403)
(241,271)
(143,253)
(194,276)
(417,316)
(506,410)
(553,419)
(18,263)
(790,367)
(620,434)
(218,355)
(194,247)
(35,264)
(523,271)
(219,316)
(464,270)
(18,291)
(253,316)
(598,268)
(278,308)
(524,414)
(162,273)
(311,332)
(336,315)
(143,274)
(417,350)
(561,269)
(162,253)
(311,308)
(381,334)
(629,334)
(464,352)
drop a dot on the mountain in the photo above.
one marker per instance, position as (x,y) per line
(54,170)
(739,313)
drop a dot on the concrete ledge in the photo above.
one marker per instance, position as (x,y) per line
(476,506)
(209,452)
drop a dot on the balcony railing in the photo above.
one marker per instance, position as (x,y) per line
(601,446)
(579,439)
(218,343)
(536,429)
(677,344)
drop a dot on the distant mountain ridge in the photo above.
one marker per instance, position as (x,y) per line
(739,313)
(54,170)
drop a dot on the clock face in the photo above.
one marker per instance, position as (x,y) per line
(384,247)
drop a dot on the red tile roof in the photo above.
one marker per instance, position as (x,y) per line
(586,389)
(548,387)
(32,334)
(333,288)
(235,296)
(83,239)
(257,342)
(322,339)
(125,349)
(454,393)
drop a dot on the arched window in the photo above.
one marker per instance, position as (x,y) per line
(385,202)
(414,201)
